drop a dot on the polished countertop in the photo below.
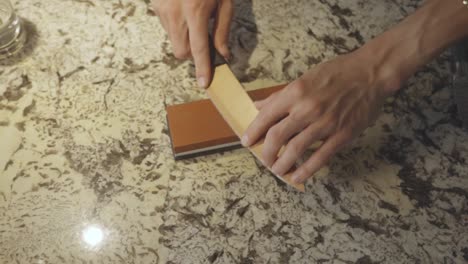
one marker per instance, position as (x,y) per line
(87,173)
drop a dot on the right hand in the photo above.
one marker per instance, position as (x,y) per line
(186,22)
(333,102)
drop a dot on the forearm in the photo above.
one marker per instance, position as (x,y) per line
(399,52)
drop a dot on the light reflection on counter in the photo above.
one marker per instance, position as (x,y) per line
(93,235)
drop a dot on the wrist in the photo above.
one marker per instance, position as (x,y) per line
(398,53)
(386,72)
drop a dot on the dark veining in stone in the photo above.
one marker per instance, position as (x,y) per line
(416,188)
(357,36)
(340,13)
(241,211)
(334,192)
(337,43)
(67,75)
(465,253)
(355,221)
(438,224)
(87,2)
(366,260)
(169,59)
(15,93)
(232,202)
(146,148)
(388,206)
(29,108)
(131,67)
(213,257)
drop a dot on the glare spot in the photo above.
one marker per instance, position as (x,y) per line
(93,235)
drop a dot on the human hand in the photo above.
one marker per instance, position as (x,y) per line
(186,23)
(333,102)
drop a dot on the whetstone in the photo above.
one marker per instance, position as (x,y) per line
(197,128)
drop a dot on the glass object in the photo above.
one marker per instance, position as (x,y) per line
(12,34)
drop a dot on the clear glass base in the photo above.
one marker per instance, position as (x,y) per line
(12,38)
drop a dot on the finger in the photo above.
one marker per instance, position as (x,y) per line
(198,34)
(321,157)
(164,13)
(222,28)
(178,35)
(259,104)
(155,7)
(298,145)
(278,136)
(163,22)
(266,118)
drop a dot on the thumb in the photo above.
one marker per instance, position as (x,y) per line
(222,27)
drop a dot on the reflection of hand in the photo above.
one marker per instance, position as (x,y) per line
(333,102)
(186,22)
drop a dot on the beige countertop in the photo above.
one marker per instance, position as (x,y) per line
(87,173)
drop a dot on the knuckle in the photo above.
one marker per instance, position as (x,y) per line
(181,52)
(331,121)
(163,7)
(296,149)
(199,49)
(196,8)
(228,3)
(298,89)
(219,42)
(274,134)
(155,5)
(305,171)
(191,4)
(296,116)
(315,108)
(265,115)
(271,98)
(268,156)
(346,136)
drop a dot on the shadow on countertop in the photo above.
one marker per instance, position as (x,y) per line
(243,39)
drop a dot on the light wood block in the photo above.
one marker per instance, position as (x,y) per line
(238,110)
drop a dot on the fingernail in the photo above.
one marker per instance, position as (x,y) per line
(202,82)
(227,53)
(245,140)
(228,58)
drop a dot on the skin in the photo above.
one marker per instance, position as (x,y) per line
(186,23)
(337,100)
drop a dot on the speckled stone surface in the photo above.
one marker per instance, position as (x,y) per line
(87,174)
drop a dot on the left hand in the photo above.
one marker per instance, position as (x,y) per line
(186,23)
(333,102)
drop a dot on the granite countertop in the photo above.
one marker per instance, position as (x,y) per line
(87,173)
